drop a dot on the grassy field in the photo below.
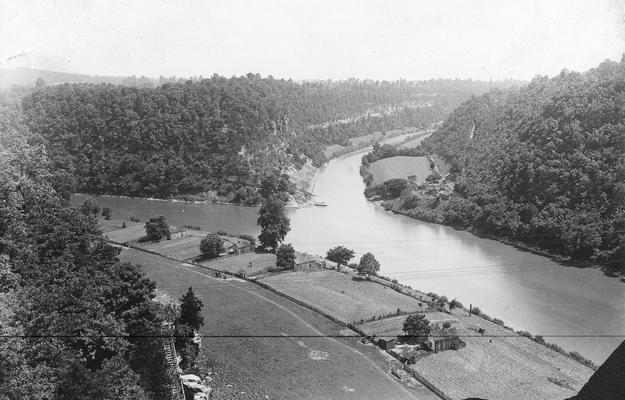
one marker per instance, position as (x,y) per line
(493,366)
(261,262)
(262,346)
(400,167)
(113,230)
(184,248)
(329,151)
(338,295)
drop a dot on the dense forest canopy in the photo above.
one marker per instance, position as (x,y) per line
(75,322)
(219,134)
(544,164)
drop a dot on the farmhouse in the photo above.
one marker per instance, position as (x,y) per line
(307,262)
(176,233)
(444,339)
(235,245)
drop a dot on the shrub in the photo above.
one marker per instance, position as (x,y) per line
(476,311)
(135,219)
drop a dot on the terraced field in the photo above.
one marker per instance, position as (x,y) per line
(262,346)
(337,294)
(400,167)
(497,366)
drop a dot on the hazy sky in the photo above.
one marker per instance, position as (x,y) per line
(386,39)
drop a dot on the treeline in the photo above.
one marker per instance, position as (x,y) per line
(380,152)
(218,135)
(544,165)
(75,322)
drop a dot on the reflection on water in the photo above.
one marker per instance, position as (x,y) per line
(527,291)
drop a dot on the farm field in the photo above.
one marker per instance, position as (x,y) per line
(400,167)
(329,151)
(108,225)
(184,248)
(133,231)
(500,366)
(392,327)
(261,262)
(260,345)
(338,295)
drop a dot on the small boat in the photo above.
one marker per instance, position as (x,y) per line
(320,204)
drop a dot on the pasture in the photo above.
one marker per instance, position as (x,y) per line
(114,232)
(340,296)
(251,263)
(260,345)
(184,248)
(399,167)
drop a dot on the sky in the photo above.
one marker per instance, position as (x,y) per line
(315,39)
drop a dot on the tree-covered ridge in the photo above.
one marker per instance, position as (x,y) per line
(544,165)
(219,135)
(75,322)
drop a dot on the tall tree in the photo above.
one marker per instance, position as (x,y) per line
(417,328)
(340,255)
(157,229)
(274,224)
(285,256)
(191,310)
(368,265)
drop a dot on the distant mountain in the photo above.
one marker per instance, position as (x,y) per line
(29,77)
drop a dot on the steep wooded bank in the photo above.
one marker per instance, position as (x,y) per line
(219,136)
(75,322)
(544,165)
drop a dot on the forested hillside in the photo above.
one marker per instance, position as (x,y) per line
(544,165)
(75,322)
(219,135)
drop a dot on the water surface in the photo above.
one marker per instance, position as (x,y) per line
(527,291)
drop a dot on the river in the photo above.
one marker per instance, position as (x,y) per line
(573,307)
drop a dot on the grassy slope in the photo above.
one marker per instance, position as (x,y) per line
(275,367)
(340,296)
(400,167)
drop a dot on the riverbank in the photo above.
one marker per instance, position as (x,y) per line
(393,206)
(422,201)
